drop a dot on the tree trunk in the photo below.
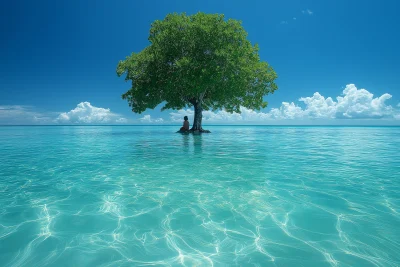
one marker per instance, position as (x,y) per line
(198,116)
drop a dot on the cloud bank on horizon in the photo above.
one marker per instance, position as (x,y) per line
(354,103)
(148,119)
(85,113)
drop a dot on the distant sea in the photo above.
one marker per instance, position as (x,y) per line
(240,196)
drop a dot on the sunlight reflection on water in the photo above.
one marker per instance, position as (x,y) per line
(240,196)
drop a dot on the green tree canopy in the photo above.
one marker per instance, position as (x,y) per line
(202,61)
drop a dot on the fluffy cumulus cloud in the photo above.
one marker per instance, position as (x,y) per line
(85,113)
(286,111)
(148,119)
(352,104)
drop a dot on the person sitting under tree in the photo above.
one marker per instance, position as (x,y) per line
(185,126)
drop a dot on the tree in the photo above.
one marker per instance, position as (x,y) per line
(201,61)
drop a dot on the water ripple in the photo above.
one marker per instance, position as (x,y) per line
(241,196)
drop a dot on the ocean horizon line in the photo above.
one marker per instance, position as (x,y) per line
(210,125)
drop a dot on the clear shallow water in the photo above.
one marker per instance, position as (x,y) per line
(241,196)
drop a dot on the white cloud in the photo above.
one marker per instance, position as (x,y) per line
(294,18)
(319,107)
(286,111)
(352,104)
(121,120)
(246,115)
(85,113)
(284,22)
(148,119)
(17,114)
(361,104)
(177,116)
(307,11)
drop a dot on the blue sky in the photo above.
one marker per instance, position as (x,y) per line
(58,59)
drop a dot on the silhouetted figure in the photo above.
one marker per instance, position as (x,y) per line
(185,126)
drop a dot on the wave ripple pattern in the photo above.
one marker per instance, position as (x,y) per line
(240,196)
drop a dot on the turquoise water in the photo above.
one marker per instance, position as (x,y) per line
(240,196)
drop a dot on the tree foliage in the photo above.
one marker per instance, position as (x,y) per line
(201,59)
